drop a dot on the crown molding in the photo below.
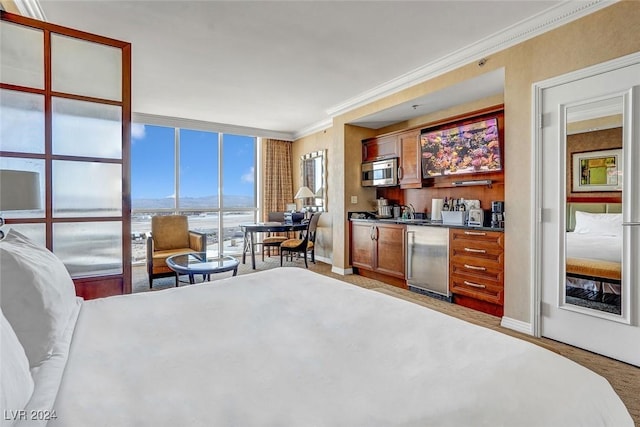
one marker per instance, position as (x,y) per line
(545,21)
(538,24)
(30,9)
(152,119)
(317,127)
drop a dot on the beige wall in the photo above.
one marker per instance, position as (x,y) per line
(607,34)
(318,141)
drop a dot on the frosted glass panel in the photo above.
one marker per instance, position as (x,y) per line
(86,68)
(31,165)
(21,122)
(86,189)
(89,248)
(22,53)
(83,128)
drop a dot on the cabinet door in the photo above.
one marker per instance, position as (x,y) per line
(384,147)
(410,165)
(390,246)
(362,245)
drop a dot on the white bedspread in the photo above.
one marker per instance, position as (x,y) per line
(288,347)
(594,246)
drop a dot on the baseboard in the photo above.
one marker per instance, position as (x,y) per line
(342,271)
(517,325)
(323,259)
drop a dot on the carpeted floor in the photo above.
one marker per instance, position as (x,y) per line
(624,378)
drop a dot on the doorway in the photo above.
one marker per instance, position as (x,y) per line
(587,203)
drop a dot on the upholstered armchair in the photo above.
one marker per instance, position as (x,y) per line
(170,235)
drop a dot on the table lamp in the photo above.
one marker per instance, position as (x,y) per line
(304,193)
(19,191)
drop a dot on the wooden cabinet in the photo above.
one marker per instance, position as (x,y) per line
(378,247)
(383,147)
(362,245)
(476,269)
(410,166)
(405,146)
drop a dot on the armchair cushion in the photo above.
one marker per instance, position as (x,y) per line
(170,232)
(170,236)
(160,258)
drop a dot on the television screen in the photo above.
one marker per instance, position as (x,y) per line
(469,148)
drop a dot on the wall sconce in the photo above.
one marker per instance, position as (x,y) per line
(19,191)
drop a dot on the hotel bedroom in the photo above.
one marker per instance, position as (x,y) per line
(292,347)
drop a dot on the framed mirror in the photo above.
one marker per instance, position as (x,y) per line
(593,241)
(313,167)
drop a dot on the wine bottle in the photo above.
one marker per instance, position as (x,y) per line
(445,205)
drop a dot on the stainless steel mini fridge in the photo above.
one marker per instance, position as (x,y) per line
(427,266)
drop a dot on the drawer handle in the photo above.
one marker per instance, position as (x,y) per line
(473,267)
(474,233)
(475,285)
(477,251)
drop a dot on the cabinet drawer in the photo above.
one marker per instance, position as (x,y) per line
(482,290)
(462,237)
(477,254)
(474,270)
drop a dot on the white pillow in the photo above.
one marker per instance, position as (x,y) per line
(601,224)
(36,294)
(16,383)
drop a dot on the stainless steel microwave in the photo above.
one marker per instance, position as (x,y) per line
(381,173)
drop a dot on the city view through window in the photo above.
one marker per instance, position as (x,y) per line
(209,177)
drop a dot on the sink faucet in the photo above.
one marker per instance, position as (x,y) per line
(409,211)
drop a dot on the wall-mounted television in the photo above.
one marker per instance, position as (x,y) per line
(457,150)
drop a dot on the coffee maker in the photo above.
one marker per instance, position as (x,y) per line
(497,214)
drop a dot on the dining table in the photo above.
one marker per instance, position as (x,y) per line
(250,229)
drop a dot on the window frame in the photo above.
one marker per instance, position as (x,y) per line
(192,125)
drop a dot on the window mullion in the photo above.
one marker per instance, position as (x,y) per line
(220,202)
(176,189)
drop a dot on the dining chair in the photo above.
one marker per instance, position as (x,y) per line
(304,244)
(273,240)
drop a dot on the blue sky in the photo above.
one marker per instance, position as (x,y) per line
(152,163)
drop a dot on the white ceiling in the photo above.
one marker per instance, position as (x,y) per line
(284,68)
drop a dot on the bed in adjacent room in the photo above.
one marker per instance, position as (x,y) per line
(284,347)
(594,254)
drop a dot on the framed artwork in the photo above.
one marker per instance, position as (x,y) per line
(597,170)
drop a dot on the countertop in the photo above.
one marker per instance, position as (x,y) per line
(422,222)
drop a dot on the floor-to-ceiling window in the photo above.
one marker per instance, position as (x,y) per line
(208,176)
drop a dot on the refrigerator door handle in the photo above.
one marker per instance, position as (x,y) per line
(631,224)
(410,242)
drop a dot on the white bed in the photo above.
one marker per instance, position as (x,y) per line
(288,347)
(603,247)
(594,256)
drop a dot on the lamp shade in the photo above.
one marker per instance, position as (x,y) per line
(303,193)
(19,190)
